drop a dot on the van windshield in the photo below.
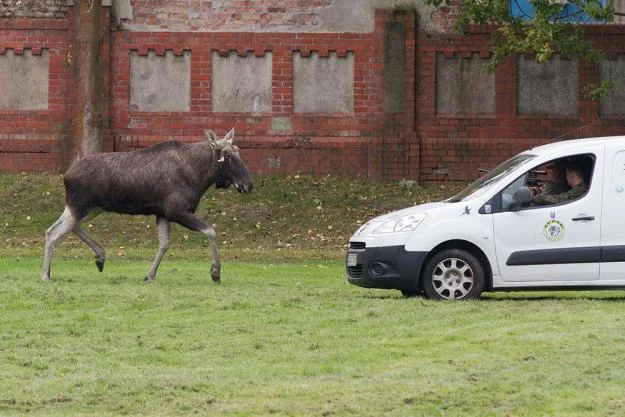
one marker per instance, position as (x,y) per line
(479,186)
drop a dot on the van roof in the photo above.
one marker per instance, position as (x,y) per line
(565,144)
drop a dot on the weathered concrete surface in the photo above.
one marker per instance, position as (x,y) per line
(613,103)
(241,84)
(24,80)
(463,86)
(323,84)
(122,11)
(619,7)
(547,89)
(394,67)
(33,8)
(261,15)
(160,83)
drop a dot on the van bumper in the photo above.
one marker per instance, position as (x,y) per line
(388,267)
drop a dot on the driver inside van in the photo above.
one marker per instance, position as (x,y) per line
(575,180)
(557,183)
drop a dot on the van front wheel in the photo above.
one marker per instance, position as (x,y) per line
(453,274)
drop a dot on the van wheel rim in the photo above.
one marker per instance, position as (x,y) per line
(453,279)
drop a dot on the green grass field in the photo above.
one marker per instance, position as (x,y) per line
(284,334)
(284,218)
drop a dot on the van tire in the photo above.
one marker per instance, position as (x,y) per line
(453,274)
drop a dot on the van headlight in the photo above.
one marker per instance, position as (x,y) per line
(402,224)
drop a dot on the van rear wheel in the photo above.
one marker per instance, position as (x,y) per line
(453,274)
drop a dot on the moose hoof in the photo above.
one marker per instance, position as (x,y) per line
(215,274)
(45,278)
(148,279)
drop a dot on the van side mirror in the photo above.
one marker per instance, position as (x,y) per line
(521,198)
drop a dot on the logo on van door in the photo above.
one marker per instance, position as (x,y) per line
(553,230)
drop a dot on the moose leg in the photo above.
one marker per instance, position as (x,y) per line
(54,235)
(190,221)
(99,250)
(216,266)
(162,226)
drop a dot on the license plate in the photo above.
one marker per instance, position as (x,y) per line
(352,259)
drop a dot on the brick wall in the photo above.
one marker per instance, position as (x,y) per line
(33,8)
(233,14)
(413,141)
(453,146)
(364,143)
(34,139)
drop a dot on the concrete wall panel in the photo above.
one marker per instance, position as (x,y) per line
(241,84)
(463,86)
(549,88)
(323,84)
(619,7)
(160,83)
(613,103)
(24,80)
(394,67)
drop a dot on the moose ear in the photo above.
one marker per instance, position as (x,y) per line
(229,136)
(209,135)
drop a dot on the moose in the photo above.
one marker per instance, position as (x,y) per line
(166,180)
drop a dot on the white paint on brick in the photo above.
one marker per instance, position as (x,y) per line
(24,80)
(241,84)
(323,84)
(160,83)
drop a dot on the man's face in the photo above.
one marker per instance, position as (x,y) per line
(572,177)
(552,174)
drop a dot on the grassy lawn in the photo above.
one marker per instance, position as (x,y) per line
(295,339)
(283,334)
(284,218)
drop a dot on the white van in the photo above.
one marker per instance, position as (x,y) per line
(493,235)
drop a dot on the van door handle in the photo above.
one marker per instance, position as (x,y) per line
(583,218)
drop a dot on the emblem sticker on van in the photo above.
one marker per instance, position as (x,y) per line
(553,230)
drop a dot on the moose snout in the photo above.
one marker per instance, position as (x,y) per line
(244,187)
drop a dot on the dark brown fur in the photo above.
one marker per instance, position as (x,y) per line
(161,180)
(167,180)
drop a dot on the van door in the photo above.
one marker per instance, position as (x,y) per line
(558,244)
(613,215)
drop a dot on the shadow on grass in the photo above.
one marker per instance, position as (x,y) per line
(600,295)
(597,295)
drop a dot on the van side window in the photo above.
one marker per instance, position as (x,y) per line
(507,195)
(558,181)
